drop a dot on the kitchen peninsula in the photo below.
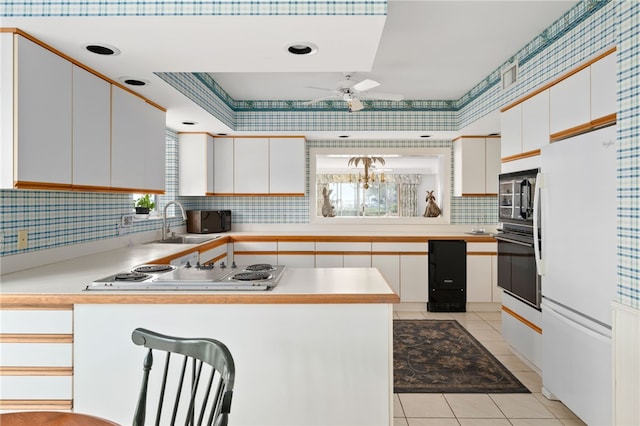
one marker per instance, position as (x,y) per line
(315,350)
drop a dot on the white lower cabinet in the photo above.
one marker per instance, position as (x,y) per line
(215,254)
(296,254)
(389,267)
(414,278)
(36,366)
(250,252)
(482,279)
(479,278)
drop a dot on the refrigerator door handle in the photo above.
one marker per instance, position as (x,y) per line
(536,224)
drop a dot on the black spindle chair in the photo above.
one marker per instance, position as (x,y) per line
(211,364)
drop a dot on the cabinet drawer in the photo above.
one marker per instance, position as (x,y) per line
(207,255)
(36,322)
(400,247)
(322,246)
(482,247)
(296,246)
(36,387)
(255,246)
(37,355)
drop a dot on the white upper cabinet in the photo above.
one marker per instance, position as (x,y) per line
(286,165)
(535,122)
(223,165)
(476,163)
(511,131)
(137,143)
(251,166)
(603,87)
(259,166)
(492,164)
(569,102)
(195,164)
(91,129)
(62,129)
(44,108)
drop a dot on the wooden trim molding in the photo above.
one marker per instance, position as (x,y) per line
(202,298)
(482,253)
(36,404)
(35,338)
(36,371)
(50,186)
(28,307)
(79,64)
(522,320)
(559,79)
(521,156)
(598,123)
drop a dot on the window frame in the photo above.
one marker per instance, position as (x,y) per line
(445,156)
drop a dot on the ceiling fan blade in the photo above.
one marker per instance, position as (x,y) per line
(356,105)
(383,96)
(326,98)
(321,88)
(365,85)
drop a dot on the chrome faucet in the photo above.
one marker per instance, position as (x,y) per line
(165,227)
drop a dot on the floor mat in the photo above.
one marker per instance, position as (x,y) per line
(440,356)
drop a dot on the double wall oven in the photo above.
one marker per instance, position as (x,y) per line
(519,241)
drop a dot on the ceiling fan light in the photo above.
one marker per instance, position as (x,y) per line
(356,105)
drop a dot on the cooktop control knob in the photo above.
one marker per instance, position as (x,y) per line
(188,265)
(233,264)
(222,265)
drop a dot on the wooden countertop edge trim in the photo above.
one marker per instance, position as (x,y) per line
(195,298)
(36,371)
(356,238)
(35,338)
(36,404)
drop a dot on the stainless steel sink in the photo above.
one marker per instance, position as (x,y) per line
(188,239)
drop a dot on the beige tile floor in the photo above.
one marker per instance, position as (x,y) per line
(431,409)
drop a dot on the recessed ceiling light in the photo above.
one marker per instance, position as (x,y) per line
(189,123)
(303,48)
(131,81)
(102,49)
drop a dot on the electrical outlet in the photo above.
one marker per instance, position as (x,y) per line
(126,221)
(23,239)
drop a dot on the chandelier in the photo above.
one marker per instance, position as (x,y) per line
(367,162)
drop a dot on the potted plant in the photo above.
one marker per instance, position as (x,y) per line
(144,204)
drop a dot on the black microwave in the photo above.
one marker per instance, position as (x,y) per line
(208,221)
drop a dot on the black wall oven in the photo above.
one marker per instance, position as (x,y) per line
(519,241)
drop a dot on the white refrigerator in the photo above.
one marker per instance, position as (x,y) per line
(578,231)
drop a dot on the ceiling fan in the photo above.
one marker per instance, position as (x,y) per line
(353,93)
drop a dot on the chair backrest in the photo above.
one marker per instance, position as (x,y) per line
(211,366)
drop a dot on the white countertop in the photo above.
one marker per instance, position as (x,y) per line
(64,283)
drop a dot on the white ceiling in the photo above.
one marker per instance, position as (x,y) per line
(423,49)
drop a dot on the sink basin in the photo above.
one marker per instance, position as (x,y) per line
(188,239)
